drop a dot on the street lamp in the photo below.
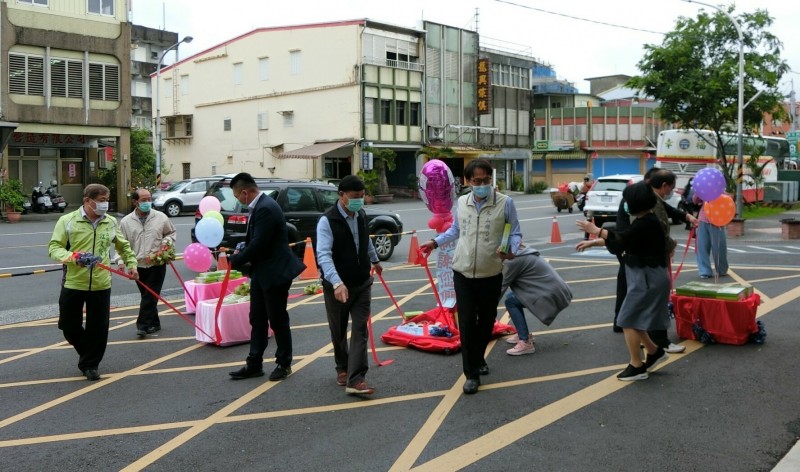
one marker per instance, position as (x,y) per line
(740,130)
(187,39)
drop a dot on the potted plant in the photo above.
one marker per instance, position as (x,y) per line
(371,181)
(13,199)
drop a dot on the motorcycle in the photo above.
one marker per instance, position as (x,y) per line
(580,199)
(58,202)
(40,202)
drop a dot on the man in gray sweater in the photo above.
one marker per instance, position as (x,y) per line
(535,285)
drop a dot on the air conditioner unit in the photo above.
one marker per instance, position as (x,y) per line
(435,134)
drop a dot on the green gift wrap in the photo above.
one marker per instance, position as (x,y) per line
(726,291)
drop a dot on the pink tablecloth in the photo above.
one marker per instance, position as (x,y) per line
(200,292)
(233,320)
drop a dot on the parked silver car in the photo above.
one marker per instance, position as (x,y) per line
(182,196)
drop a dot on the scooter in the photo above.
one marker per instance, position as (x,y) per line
(580,199)
(58,202)
(41,203)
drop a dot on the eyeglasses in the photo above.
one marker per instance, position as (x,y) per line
(482,181)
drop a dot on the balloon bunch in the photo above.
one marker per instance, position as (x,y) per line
(438,191)
(709,185)
(209,232)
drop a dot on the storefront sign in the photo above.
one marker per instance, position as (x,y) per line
(545,145)
(72,170)
(37,139)
(484,102)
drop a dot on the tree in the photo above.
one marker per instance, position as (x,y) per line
(694,74)
(383,159)
(143,164)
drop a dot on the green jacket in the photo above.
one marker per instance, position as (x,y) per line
(75,233)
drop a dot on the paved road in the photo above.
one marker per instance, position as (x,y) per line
(166,403)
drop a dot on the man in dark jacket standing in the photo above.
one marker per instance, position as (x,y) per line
(345,254)
(274,267)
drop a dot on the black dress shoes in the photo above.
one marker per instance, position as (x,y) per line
(280,373)
(483,369)
(91,374)
(471,386)
(246,372)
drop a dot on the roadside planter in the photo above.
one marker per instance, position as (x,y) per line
(790,228)
(735,228)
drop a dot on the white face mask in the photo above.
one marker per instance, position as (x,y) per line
(100,208)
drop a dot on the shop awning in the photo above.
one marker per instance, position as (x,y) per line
(315,150)
(555,155)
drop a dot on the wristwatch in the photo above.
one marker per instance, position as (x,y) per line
(435,244)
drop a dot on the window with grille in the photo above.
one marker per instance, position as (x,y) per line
(66,78)
(414,114)
(262,120)
(187,174)
(226,124)
(187,125)
(103,81)
(25,74)
(263,68)
(294,62)
(400,113)
(101,7)
(386,112)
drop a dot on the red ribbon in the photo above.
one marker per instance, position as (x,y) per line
(672,278)
(185,318)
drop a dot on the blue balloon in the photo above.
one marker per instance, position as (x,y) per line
(209,232)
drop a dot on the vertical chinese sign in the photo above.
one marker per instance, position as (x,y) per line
(484,87)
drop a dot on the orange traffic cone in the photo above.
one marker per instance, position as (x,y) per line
(413,251)
(222,260)
(592,235)
(555,234)
(310,262)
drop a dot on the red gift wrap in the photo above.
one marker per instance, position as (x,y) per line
(727,321)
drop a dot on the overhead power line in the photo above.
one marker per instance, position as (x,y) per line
(579,18)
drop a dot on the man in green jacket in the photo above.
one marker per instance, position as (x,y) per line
(80,239)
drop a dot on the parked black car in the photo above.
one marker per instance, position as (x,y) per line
(303,202)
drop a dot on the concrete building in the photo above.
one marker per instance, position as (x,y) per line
(147,45)
(66,69)
(277,102)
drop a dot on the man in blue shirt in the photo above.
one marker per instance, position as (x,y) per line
(345,255)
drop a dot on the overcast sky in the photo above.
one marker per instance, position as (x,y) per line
(555,32)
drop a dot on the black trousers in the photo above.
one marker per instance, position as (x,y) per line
(268,310)
(658,336)
(357,308)
(89,341)
(477,311)
(153,277)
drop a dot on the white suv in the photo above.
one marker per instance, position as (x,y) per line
(602,201)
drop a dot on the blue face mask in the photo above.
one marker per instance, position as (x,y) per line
(145,207)
(355,204)
(625,206)
(482,191)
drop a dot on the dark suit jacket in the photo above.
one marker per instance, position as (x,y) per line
(267,250)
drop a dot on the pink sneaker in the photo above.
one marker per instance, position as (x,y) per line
(513,339)
(521,348)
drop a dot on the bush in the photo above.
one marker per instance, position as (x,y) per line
(539,186)
(11,194)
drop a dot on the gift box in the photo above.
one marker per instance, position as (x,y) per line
(200,292)
(726,291)
(231,326)
(721,321)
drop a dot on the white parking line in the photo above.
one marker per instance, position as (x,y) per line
(769,250)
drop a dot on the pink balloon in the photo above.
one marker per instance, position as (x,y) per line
(197,257)
(437,186)
(209,203)
(435,223)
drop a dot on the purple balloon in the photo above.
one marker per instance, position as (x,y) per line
(437,186)
(709,184)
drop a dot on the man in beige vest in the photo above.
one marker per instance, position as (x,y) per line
(478,225)
(149,231)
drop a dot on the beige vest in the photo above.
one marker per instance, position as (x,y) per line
(479,236)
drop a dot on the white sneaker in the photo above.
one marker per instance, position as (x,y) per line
(521,348)
(513,340)
(675,348)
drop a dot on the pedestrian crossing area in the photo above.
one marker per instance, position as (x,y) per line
(787,249)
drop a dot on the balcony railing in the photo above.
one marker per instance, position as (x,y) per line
(415,66)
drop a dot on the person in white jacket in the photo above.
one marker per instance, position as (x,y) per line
(534,285)
(150,232)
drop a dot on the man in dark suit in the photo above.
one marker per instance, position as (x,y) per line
(274,266)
